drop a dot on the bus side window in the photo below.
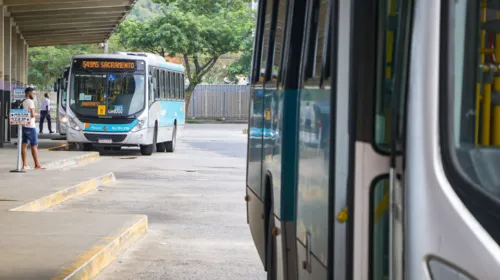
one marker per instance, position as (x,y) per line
(151,90)
(167,84)
(178,88)
(172,85)
(278,38)
(314,51)
(183,88)
(157,86)
(266,41)
(162,84)
(165,81)
(174,89)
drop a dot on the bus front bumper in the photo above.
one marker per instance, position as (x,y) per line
(141,137)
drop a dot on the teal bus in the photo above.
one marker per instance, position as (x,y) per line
(125,99)
(374,135)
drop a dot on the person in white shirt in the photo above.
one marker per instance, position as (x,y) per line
(45,113)
(29,131)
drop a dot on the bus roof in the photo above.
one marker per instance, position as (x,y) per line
(151,59)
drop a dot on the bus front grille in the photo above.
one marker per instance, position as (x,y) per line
(116,138)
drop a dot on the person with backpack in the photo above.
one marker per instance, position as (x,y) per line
(29,133)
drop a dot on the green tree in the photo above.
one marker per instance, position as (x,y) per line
(244,64)
(201,31)
(48,63)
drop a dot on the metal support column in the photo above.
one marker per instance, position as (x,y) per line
(7,74)
(20,64)
(26,63)
(2,84)
(13,67)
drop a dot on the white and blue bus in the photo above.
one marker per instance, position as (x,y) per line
(125,99)
(60,88)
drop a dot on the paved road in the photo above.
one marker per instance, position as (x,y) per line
(194,201)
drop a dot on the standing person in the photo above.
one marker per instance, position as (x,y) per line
(29,131)
(45,113)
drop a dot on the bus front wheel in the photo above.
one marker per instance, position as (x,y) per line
(146,150)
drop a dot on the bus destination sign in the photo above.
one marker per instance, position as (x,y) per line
(106,64)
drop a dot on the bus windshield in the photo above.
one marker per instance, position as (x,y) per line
(107,94)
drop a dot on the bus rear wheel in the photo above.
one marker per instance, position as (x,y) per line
(170,145)
(160,147)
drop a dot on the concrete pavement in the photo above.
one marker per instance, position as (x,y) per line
(41,245)
(194,200)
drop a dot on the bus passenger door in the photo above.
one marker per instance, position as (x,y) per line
(378,73)
(314,161)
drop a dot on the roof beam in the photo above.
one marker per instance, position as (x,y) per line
(68,39)
(34,2)
(67,23)
(68,35)
(78,42)
(64,19)
(79,12)
(66,26)
(65,31)
(48,41)
(102,4)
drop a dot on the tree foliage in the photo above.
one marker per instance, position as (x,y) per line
(243,65)
(145,10)
(48,63)
(200,31)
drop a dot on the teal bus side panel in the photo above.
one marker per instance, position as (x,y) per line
(255,202)
(171,110)
(255,145)
(276,108)
(313,170)
(289,143)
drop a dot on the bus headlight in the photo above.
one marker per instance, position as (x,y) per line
(64,119)
(73,124)
(140,124)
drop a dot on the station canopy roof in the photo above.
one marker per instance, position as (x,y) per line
(67,22)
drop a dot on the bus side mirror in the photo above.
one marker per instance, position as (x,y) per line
(55,87)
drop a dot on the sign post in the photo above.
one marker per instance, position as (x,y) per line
(19,118)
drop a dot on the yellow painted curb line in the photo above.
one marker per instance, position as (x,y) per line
(56,148)
(63,195)
(71,162)
(93,261)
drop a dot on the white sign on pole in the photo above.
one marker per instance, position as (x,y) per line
(19,117)
(18,94)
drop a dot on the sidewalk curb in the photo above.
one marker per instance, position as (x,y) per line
(62,147)
(85,158)
(93,261)
(63,195)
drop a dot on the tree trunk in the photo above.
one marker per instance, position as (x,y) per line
(189,93)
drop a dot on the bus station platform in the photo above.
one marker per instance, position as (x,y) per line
(38,243)
(25,24)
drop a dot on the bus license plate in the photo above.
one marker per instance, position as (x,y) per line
(105,141)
